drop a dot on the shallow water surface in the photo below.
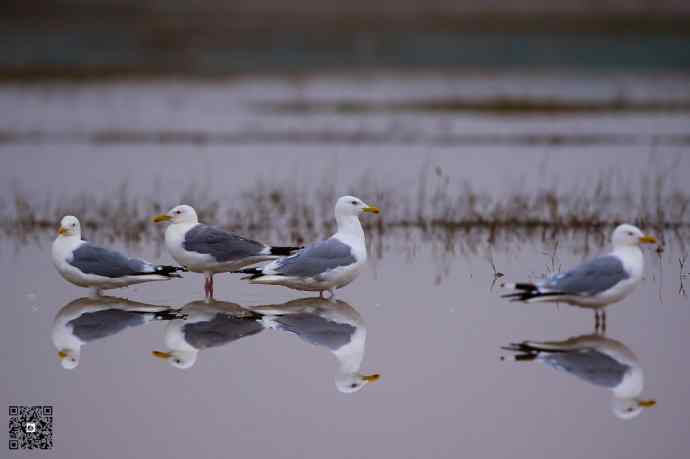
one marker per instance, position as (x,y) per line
(426,314)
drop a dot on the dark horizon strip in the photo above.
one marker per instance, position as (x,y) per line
(325,137)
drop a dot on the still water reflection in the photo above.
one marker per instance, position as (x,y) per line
(88,319)
(200,325)
(594,359)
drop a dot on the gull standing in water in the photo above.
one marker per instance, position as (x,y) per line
(89,319)
(597,360)
(597,283)
(88,265)
(334,325)
(209,250)
(325,265)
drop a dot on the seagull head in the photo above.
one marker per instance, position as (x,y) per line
(178,359)
(69,226)
(352,382)
(349,206)
(69,359)
(629,235)
(178,214)
(628,408)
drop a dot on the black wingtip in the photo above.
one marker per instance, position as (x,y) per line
(284,251)
(525,286)
(252,273)
(170,271)
(174,314)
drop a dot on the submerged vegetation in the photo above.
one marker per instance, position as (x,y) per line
(455,217)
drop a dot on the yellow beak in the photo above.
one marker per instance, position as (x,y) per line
(647,403)
(62,355)
(372,209)
(162,218)
(647,240)
(161,355)
(62,231)
(372,378)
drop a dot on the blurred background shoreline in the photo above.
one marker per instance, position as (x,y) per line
(107,39)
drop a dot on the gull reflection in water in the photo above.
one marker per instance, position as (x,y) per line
(335,325)
(597,360)
(89,319)
(207,324)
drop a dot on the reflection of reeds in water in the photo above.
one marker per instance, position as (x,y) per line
(456,220)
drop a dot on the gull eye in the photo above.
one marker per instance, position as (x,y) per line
(354,203)
(630,233)
(178,212)
(353,385)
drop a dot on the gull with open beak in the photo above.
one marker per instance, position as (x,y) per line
(326,265)
(208,249)
(88,265)
(597,283)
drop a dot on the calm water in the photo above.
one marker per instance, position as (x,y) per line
(434,322)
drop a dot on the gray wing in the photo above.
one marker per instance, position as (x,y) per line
(222,329)
(220,244)
(317,259)
(590,278)
(96,325)
(590,365)
(316,330)
(91,259)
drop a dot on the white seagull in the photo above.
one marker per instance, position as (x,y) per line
(597,283)
(88,265)
(206,325)
(334,325)
(207,249)
(597,360)
(325,265)
(89,319)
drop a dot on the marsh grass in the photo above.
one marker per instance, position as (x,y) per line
(454,216)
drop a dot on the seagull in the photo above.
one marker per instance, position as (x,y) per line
(334,325)
(597,360)
(207,249)
(325,265)
(88,265)
(89,319)
(206,325)
(597,283)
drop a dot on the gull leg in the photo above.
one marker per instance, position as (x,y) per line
(603,321)
(207,288)
(211,285)
(96,292)
(597,321)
